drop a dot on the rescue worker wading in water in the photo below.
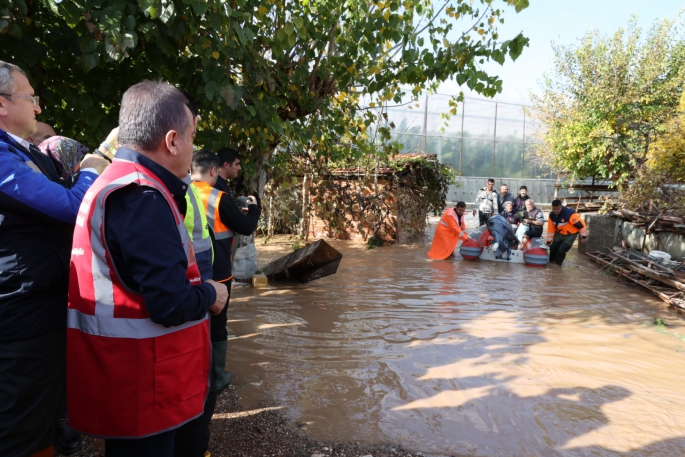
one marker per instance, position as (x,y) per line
(563,227)
(451,228)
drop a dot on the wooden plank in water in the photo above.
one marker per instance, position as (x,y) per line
(314,261)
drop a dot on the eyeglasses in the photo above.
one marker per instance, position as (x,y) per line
(32,98)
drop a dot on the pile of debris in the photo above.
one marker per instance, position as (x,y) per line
(664,278)
(666,221)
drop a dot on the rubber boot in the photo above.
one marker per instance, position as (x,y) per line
(67,440)
(222,378)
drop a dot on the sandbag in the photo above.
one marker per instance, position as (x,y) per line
(245,262)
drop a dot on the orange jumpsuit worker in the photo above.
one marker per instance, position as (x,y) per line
(451,228)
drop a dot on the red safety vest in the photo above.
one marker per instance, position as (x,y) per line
(127,377)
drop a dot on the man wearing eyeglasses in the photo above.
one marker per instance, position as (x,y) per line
(37,217)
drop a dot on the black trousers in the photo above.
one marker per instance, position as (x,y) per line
(483,217)
(218,330)
(561,244)
(32,392)
(192,439)
(161,445)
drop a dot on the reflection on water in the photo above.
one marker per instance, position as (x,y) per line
(455,357)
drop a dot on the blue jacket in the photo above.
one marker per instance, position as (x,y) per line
(37,216)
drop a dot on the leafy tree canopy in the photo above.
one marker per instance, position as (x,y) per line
(667,156)
(609,98)
(258,68)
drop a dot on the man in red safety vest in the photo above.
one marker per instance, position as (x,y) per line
(138,348)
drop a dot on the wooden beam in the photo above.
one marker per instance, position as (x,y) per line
(670,296)
(650,273)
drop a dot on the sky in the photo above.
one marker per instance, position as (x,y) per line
(564,22)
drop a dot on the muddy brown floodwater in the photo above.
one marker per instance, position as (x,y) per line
(462,358)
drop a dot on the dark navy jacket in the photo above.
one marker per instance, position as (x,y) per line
(565,216)
(37,217)
(233,217)
(145,246)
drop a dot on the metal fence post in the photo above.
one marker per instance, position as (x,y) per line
(523,145)
(494,141)
(425,124)
(461,148)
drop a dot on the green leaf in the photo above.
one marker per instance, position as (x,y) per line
(15,30)
(282,37)
(130,39)
(91,60)
(298,22)
(519,5)
(129,22)
(146,4)
(461,78)
(70,12)
(241,34)
(200,6)
(88,45)
(53,6)
(516,46)
(498,56)
(168,11)
(216,20)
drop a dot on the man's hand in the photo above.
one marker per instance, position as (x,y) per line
(583,239)
(474,212)
(221,297)
(251,200)
(93,161)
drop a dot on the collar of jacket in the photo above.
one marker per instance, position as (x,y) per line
(564,215)
(7,138)
(175,185)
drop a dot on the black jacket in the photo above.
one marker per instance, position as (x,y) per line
(233,217)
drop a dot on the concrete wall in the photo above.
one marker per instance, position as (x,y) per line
(608,231)
(669,242)
(604,234)
(541,190)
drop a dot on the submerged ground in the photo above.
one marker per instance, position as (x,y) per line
(452,358)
